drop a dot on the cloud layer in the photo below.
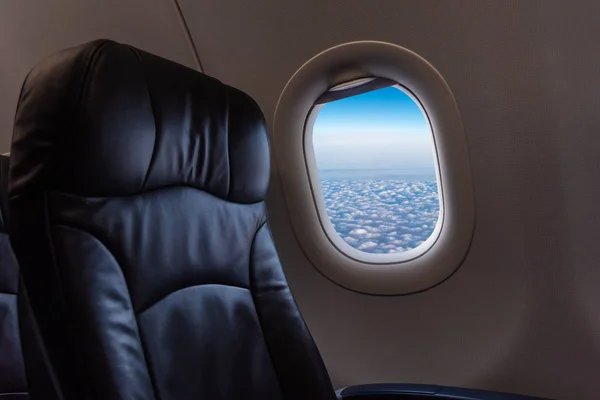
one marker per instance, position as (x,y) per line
(382,216)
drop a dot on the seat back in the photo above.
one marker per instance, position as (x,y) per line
(12,374)
(137,212)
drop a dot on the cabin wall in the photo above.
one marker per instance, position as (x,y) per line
(522,314)
(31,30)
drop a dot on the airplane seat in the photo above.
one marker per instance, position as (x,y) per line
(137,193)
(137,190)
(13,383)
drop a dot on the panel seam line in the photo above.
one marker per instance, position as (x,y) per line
(188,34)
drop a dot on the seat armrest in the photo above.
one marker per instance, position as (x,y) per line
(399,391)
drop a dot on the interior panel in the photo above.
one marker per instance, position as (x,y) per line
(522,313)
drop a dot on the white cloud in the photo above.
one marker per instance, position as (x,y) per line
(367,245)
(367,221)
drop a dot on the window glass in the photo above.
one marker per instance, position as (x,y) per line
(376,163)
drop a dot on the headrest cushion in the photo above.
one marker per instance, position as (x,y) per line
(106,119)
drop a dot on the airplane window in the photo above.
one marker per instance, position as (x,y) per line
(376,164)
(373,166)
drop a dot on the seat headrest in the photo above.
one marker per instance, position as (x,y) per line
(107,119)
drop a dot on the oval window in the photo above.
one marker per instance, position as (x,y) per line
(376,166)
(374,170)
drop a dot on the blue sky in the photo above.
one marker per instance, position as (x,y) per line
(382,129)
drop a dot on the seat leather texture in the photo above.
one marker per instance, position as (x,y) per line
(137,191)
(13,384)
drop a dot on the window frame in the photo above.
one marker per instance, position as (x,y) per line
(332,235)
(295,112)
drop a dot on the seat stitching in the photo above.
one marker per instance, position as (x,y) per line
(166,187)
(89,66)
(128,293)
(52,249)
(227,105)
(153,302)
(81,86)
(256,309)
(51,369)
(154,145)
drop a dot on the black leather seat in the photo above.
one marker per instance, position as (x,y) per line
(137,213)
(13,384)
